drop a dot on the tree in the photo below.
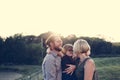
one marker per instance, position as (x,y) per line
(1,50)
(31,49)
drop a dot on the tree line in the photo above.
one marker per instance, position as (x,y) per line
(30,49)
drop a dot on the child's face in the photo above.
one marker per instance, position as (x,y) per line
(69,52)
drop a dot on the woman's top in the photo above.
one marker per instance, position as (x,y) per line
(80,71)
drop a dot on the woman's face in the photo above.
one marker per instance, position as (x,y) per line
(77,54)
(74,55)
(88,53)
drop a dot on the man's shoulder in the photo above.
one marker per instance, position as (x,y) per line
(49,57)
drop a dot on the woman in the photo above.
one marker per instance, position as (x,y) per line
(85,69)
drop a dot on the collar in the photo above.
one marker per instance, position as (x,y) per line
(53,53)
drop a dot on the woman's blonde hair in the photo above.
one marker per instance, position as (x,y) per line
(81,46)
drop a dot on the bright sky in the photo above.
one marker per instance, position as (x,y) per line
(79,17)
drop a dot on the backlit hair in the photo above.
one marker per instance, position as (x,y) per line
(50,39)
(81,46)
(67,47)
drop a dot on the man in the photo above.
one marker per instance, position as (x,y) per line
(51,65)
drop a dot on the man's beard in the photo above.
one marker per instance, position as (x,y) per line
(58,49)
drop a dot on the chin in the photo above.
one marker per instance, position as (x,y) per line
(58,48)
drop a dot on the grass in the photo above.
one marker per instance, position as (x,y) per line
(22,69)
(108,68)
(28,71)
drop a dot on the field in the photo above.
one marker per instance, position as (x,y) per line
(28,72)
(108,68)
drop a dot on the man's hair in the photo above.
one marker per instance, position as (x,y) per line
(50,39)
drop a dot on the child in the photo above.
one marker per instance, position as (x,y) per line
(67,59)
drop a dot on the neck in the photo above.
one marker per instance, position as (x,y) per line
(60,54)
(82,57)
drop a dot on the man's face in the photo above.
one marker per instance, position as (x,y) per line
(58,43)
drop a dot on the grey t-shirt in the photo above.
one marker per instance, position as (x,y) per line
(51,67)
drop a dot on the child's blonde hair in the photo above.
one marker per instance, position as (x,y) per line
(67,47)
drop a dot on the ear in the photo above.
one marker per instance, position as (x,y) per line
(88,53)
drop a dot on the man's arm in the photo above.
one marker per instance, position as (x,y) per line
(50,69)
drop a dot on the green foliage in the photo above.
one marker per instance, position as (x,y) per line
(35,53)
(30,49)
(21,50)
(108,68)
(1,49)
(23,69)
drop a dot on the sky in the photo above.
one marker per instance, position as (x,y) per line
(92,18)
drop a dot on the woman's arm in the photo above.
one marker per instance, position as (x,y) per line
(89,69)
(70,69)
